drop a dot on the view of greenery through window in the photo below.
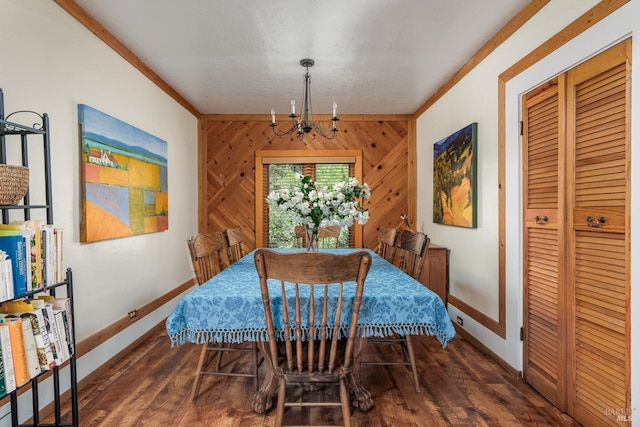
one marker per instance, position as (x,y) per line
(282,176)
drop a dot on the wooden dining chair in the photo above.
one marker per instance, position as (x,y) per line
(300,231)
(206,255)
(206,258)
(317,357)
(413,252)
(233,240)
(387,243)
(328,236)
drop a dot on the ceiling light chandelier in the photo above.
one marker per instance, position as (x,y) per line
(305,122)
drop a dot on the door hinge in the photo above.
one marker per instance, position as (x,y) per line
(521,128)
(521,333)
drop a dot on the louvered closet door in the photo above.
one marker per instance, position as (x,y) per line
(598,135)
(543,193)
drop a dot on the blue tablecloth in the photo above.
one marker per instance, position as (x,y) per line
(228,307)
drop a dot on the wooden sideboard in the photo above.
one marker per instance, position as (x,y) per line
(435,271)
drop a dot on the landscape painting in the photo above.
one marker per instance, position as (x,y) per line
(124,178)
(454,178)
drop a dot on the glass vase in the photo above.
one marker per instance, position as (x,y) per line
(312,240)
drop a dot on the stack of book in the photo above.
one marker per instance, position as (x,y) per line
(35,336)
(30,257)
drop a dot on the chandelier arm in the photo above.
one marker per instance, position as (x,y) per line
(326,133)
(306,121)
(280,132)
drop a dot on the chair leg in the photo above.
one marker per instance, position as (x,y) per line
(256,377)
(282,388)
(198,379)
(412,360)
(344,401)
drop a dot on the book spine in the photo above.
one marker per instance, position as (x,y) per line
(64,306)
(59,316)
(30,349)
(14,246)
(26,237)
(7,359)
(21,371)
(3,387)
(43,255)
(49,254)
(58,255)
(43,363)
(36,256)
(20,282)
(9,271)
(49,359)
(68,332)
(4,279)
(54,338)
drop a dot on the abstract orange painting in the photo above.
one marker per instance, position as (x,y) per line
(124,178)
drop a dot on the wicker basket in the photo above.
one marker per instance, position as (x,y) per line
(14,182)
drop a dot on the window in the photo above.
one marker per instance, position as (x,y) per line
(276,170)
(281,176)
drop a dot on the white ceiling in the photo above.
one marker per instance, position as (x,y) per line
(243,56)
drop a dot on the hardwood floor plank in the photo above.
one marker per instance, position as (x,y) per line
(460,386)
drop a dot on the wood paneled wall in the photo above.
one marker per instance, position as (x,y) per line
(227,167)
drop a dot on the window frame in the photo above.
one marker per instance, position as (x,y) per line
(265,157)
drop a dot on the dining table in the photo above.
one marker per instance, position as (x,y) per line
(228,308)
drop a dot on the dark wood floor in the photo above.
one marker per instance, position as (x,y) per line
(460,387)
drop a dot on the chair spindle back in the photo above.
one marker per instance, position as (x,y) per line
(413,250)
(233,239)
(387,243)
(206,255)
(328,236)
(300,232)
(306,278)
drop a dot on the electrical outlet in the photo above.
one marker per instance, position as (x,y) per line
(133,313)
(460,321)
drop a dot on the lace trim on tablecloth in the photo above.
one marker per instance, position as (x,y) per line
(254,335)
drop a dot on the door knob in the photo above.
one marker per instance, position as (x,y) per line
(543,220)
(593,222)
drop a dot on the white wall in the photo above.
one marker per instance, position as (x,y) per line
(50,64)
(474,253)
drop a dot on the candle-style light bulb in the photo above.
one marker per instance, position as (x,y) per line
(335,108)
(293,107)
(273,116)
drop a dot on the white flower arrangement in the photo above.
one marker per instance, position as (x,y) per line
(314,208)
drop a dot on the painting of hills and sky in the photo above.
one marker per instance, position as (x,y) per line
(124,178)
(454,178)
